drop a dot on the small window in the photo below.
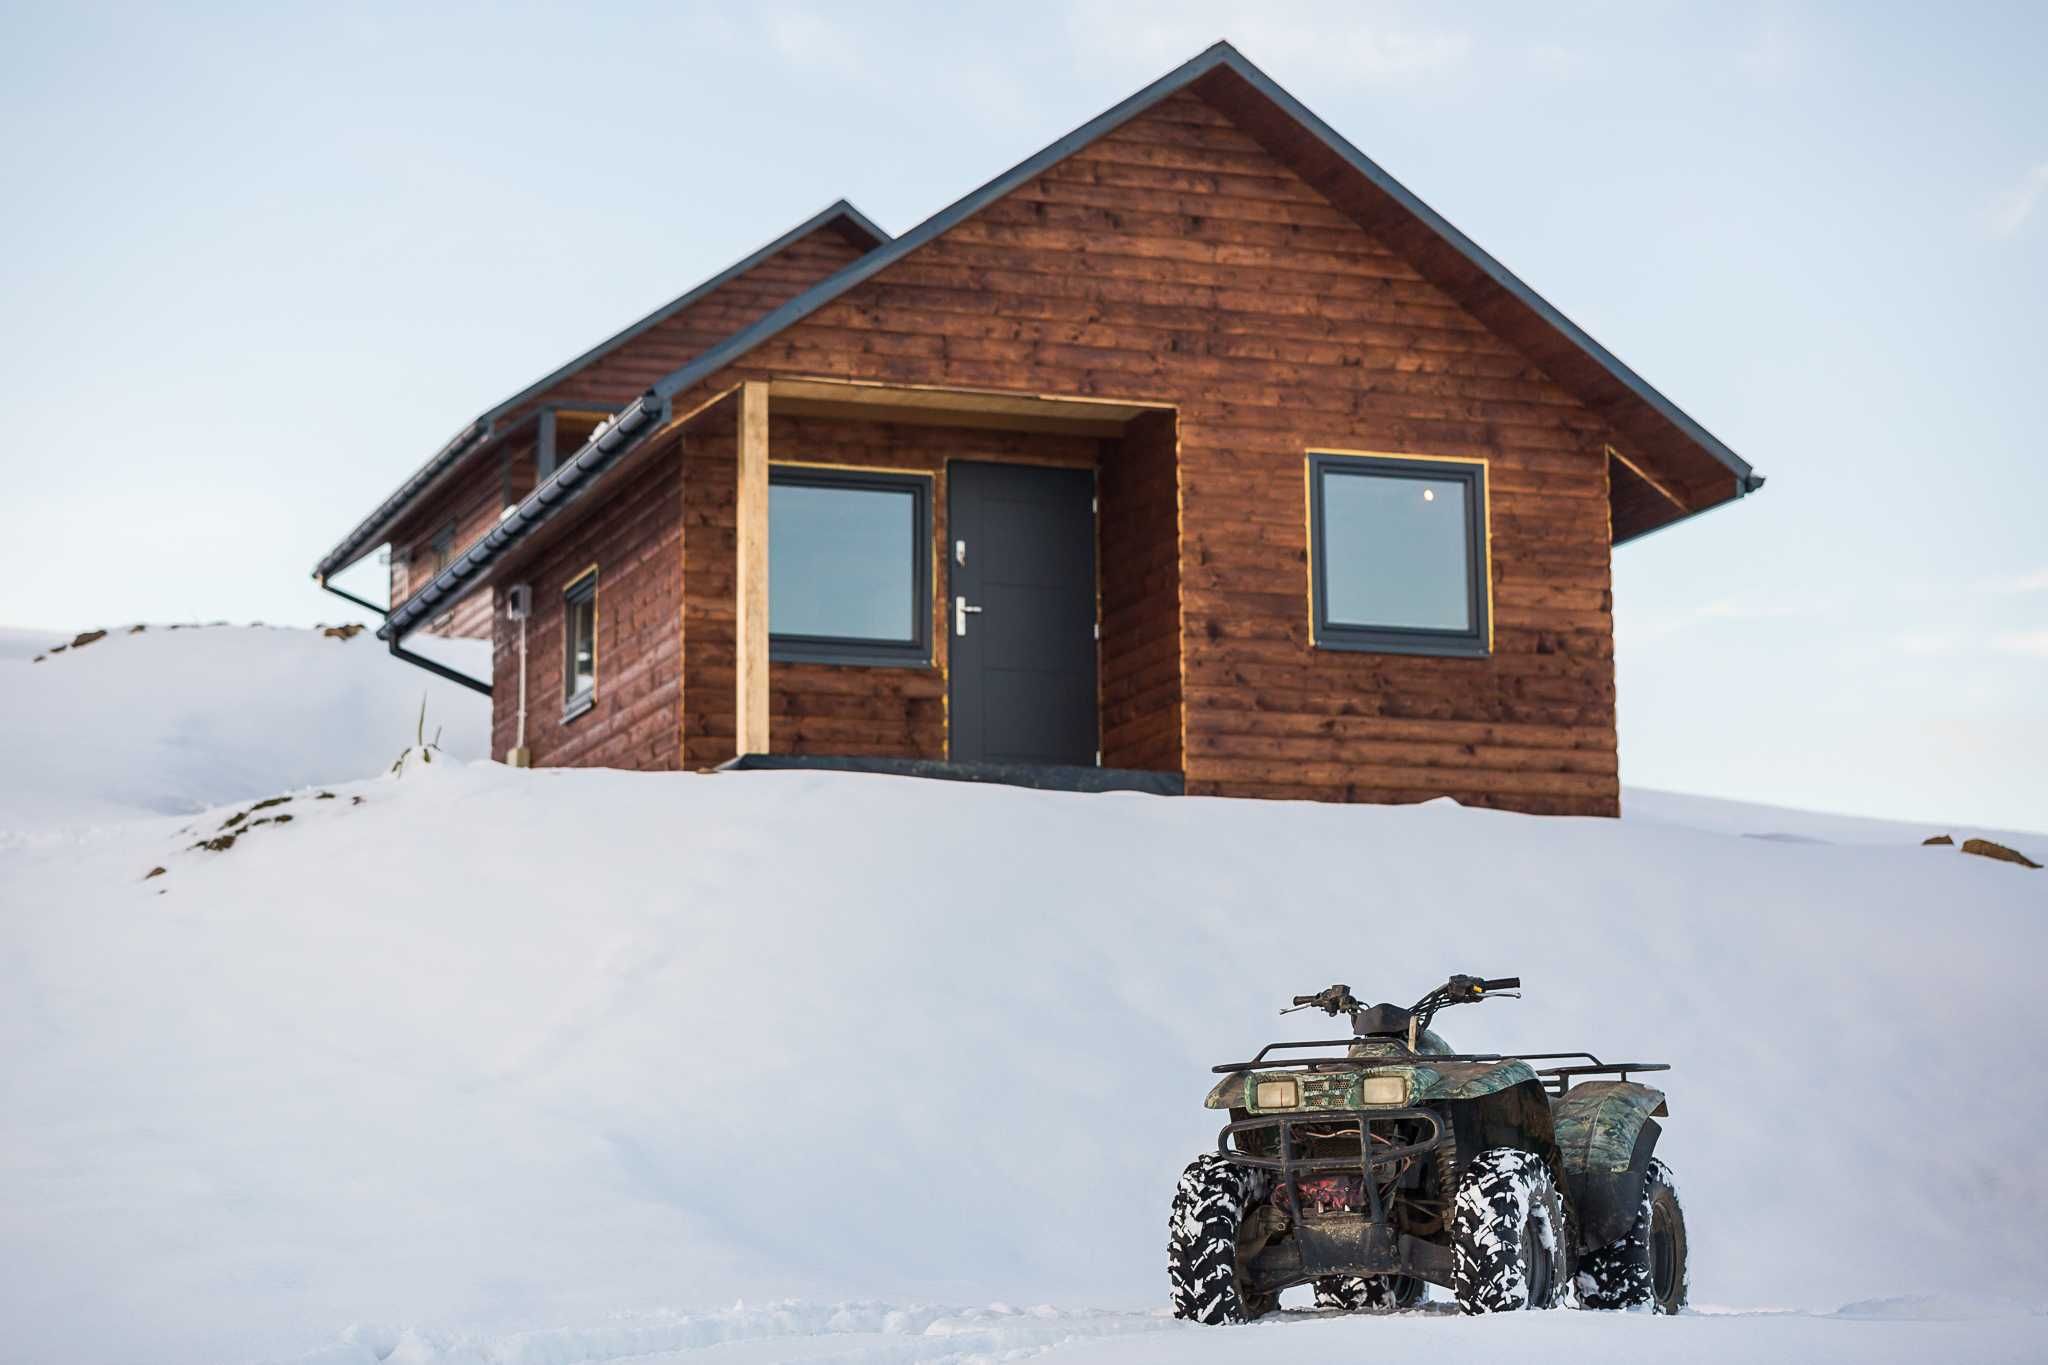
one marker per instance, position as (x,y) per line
(849,567)
(1399,555)
(579,645)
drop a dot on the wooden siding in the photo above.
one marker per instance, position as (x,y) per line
(1138,549)
(1176,260)
(635,543)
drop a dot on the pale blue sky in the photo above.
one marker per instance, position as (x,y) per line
(261,260)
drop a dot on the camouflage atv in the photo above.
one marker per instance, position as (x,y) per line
(1396,1163)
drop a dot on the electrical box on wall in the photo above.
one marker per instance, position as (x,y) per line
(519,601)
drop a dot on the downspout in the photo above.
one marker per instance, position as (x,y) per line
(520,758)
(419,661)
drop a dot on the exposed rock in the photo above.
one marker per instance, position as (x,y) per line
(137,629)
(1937,839)
(347,632)
(1984,848)
(86,637)
(153,872)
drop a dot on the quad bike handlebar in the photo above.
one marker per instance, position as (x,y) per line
(1459,990)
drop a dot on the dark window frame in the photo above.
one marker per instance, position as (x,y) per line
(1476,642)
(854,651)
(579,590)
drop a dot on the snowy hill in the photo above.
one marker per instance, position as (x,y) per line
(171,720)
(486,1065)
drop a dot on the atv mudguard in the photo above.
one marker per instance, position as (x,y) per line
(1605,1137)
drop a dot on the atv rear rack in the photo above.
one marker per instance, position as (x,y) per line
(1557,1079)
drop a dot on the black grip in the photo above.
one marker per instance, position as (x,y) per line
(1306,999)
(1505,983)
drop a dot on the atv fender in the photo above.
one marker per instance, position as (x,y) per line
(1605,1137)
(1228,1093)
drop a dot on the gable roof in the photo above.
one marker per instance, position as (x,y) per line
(372,529)
(1351,180)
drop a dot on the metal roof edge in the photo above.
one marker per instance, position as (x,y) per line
(834,285)
(352,546)
(1479,257)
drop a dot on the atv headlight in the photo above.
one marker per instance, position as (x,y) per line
(1383,1090)
(1280,1094)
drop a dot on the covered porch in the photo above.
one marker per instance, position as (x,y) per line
(956,582)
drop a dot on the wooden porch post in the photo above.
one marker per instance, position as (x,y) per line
(751,585)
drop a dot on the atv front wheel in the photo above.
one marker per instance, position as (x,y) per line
(1508,1235)
(1201,1244)
(1645,1269)
(1368,1293)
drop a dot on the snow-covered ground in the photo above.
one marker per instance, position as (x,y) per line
(474,1064)
(174,719)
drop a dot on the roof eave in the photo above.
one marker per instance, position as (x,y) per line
(373,529)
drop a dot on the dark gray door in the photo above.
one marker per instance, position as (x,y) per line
(1020,555)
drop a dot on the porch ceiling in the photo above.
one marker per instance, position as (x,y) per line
(873,402)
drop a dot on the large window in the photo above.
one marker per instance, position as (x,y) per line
(579,645)
(849,566)
(1399,554)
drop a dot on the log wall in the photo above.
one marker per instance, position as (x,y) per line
(635,542)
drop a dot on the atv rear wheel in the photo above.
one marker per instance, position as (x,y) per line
(1508,1235)
(1368,1293)
(1201,1244)
(1647,1268)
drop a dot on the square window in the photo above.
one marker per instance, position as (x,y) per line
(579,645)
(849,567)
(1399,555)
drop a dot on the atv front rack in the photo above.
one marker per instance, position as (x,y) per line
(1370,1159)
(1556,1079)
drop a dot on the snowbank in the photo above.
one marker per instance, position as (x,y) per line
(1648,806)
(488,1052)
(175,719)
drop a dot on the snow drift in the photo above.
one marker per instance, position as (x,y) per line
(451,1059)
(171,720)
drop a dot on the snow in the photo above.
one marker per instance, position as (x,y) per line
(1649,806)
(173,720)
(496,1065)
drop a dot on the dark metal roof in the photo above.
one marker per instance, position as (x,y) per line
(1222,57)
(372,528)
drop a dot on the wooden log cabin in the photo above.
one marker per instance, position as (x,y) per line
(1193,453)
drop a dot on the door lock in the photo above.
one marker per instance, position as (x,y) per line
(960,611)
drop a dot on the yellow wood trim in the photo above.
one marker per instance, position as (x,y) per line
(854,468)
(1642,474)
(751,583)
(1486,518)
(1402,455)
(679,419)
(793,386)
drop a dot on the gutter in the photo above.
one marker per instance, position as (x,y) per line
(643,416)
(417,660)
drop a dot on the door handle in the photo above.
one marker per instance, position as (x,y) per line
(960,611)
